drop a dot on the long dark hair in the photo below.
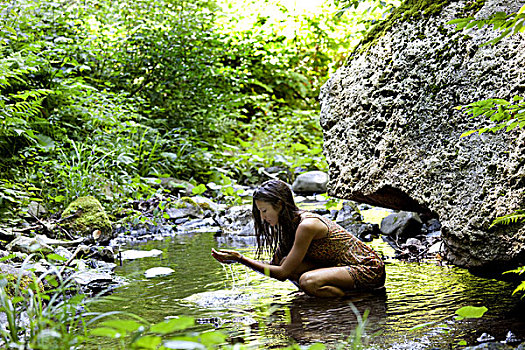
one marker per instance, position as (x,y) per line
(276,193)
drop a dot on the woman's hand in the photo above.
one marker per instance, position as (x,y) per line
(226,256)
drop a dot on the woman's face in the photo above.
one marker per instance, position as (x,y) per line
(268,212)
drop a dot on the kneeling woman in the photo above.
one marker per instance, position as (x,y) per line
(309,249)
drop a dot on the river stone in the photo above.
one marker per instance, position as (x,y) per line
(29,245)
(139,254)
(90,218)
(349,214)
(490,346)
(222,298)
(237,220)
(310,182)
(401,225)
(392,132)
(158,271)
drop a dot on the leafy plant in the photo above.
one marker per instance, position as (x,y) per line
(38,319)
(521,287)
(502,113)
(507,23)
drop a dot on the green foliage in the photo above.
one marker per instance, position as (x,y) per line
(521,287)
(508,24)
(470,312)
(518,215)
(502,113)
(38,319)
(174,333)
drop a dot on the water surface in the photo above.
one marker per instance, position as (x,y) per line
(261,312)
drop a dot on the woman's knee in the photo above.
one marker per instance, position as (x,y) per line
(309,283)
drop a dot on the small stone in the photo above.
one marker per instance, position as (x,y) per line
(96,234)
(158,271)
(485,337)
(511,338)
(139,254)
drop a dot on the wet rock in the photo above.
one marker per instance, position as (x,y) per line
(489,346)
(106,254)
(190,211)
(93,282)
(401,225)
(435,248)
(310,182)
(413,245)
(85,215)
(7,234)
(36,209)
(176,186)
(158,271)
(63,252)
(365,232)
(207,204)
(485,337)
(392,137)
(139,254)
(195,226)
(12,275)
(29,245)
(237,220)
(59,242)
(348,215)
(511,338)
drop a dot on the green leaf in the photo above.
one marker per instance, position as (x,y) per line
(105,332)
(467,133)
(471,312)
(123,326)
(423,325)
(212,338)
(199,189)
(172,325)
(7,257)
(56,257)
(147,342)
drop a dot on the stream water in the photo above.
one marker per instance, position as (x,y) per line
(264,313)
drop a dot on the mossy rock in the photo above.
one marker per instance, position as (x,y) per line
(90,218)
(9,278)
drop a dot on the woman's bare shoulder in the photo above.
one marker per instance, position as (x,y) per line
(314,226)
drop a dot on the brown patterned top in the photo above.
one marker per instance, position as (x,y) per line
(340,247)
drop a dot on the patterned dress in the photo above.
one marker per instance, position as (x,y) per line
(341,248)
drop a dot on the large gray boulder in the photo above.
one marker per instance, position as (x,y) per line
(392,132)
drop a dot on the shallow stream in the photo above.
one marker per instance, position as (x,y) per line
(262,313)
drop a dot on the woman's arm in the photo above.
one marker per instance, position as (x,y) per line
(306,232)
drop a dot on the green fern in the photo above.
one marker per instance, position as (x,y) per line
(518,215)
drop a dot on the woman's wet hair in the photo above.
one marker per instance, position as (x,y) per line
(278,194)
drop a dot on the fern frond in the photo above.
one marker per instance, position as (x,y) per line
(520,288)
(519,270)
(518,215)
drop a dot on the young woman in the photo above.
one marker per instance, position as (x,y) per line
(320,256)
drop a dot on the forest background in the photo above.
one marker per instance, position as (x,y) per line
(107,98)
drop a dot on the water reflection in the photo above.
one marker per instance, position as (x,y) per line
(330,320)
(262,312)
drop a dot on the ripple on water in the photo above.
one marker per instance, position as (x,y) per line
(416,294)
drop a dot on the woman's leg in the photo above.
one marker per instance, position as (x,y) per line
(327,282)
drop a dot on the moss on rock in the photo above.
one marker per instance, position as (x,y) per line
(10,276)
(410,10)
(90,217)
